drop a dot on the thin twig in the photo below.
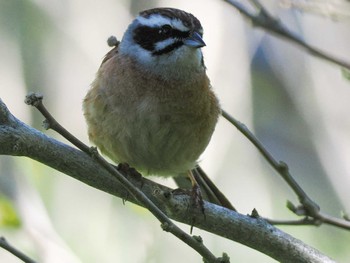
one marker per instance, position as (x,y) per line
(313,221)
(273,25)
(7,246)
(333,221)
(308,207)
(280,167)
(166,224)
(306,221)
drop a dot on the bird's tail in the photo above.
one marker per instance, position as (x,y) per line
(208,189)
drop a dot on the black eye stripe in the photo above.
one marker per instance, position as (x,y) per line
(147,37)
(166,29)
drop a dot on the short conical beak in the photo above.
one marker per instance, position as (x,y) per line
(194,40)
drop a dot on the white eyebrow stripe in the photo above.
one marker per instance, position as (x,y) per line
(159,20)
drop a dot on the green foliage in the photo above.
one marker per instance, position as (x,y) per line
(346,73)
(8,214)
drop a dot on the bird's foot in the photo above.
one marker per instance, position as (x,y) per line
(130,173)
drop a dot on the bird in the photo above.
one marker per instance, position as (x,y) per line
(151,105)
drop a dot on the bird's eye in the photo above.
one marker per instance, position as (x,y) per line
(165,30)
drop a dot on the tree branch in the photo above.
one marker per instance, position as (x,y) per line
(7,246)
(336,10)
(308,207)
(263,19)
(18,139)
(167,225)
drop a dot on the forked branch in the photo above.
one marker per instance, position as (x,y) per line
(308,208)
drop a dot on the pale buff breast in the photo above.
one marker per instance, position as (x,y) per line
(157,126)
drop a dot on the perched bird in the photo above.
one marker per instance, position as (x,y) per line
(151,105)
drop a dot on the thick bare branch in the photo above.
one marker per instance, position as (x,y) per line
(18,139)
(36,100)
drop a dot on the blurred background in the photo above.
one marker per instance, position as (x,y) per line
(296,104)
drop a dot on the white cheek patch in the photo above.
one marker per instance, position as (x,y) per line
(159,20)
(128,47)
(140,54)
(163,44)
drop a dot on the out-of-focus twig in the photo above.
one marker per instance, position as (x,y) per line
(262,18)
(7,246)
(336,10)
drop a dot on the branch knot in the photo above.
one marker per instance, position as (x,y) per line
(33,99)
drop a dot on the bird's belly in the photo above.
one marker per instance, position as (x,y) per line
(154,143)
